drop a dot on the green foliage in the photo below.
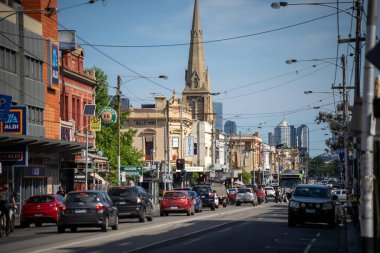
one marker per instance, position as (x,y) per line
(246,177)
(319,168)
(106,140)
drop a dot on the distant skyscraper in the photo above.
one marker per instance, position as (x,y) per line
(303,138)
(271,139)
(230,127)
(282,134)
(293,136)
(217,107)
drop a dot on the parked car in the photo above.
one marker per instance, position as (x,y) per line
(87,209)
(341,193)
(269,191)
(198,205)
(221,192)
(176,202)
(246,195)
(208,196)
(41,209)
(313,203)
(132,202)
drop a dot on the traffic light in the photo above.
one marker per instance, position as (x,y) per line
(180,164)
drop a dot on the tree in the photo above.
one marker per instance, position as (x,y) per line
(319,168)
(337,127)
(106,140)
(246,177)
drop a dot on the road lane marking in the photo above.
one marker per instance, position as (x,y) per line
(308,247)
(124,233)
(224,230)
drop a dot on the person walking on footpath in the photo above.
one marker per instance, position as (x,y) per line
(61,191)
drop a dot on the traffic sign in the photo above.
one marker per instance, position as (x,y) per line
(95,125)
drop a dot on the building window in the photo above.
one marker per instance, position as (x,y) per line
(175,142)
(35,115)
(76,111)
(195,148)
(7,59)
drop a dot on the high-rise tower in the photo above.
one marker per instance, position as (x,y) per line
(196,94)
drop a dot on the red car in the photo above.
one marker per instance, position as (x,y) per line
(41,209)
(177,202)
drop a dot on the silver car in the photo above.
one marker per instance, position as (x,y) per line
(246,195)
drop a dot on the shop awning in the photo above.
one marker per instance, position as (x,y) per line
(40,144)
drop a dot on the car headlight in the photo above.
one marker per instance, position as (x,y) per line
(327,206)
(317,205)
(294,204)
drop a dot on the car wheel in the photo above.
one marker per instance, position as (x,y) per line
(116,226)
(104,226)
(188,213)
(238,203)
(291,221)
(196,210)
(38,224)
(142,216)
(166,214)
(224,204)
(61,229)
(162,213)
(213,207)
(73,229)
(200,210)
(150,217)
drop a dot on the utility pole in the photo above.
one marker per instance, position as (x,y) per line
(367,176)
(167,138)
(253,159)
(20,19)
(181,128)
(357,50)
(347,173)
(118,128)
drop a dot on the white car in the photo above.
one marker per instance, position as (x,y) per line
(341,193)
(269,191)
(246,195)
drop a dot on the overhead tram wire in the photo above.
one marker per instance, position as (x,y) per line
(189,43)
(272,87)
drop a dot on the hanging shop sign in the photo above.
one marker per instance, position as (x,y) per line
(108,116)
(13,156)
(54,66)
(189,146)
(34,172)
(15,123)
(95,125)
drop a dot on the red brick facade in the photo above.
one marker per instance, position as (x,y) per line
(49,31)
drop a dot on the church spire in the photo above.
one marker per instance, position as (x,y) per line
(196,94)
(196,74)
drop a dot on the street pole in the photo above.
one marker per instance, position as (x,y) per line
(347,173)
(253,159)
(86,171)
(167,139)
(118,129)
(367,176)
(181,129)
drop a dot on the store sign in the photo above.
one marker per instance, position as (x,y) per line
(13,157)
(54,66)
(189,146)
(5,105)
(15,122)
(95,125)
(35,172)
(108,116)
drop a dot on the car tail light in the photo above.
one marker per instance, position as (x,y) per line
(63,207)
(100,207)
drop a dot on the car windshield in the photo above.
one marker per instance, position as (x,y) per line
(174,194)
(316,192)
(193,194)
(244,190)
(232,191)
(41,199)
(269,188)
(121,192)
(86,197)
(200,190)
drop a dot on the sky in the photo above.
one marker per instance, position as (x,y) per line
(246,47)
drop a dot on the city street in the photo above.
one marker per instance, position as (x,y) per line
(232,229)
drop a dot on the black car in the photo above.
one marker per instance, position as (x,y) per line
(87,209)
(208,196)
(312,203)
(132,202)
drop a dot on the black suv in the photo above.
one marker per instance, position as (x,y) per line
(132,202)
(207,195)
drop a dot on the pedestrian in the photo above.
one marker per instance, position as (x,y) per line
(7,206)
(61,191)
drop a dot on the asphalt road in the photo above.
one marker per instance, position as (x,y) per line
(232,229)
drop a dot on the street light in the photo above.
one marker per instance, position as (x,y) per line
(118,94)
(310,91)
(278,5)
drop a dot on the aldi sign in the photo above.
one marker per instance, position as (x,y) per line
(13,156)
(15,123)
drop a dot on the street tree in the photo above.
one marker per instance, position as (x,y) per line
(106,139)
